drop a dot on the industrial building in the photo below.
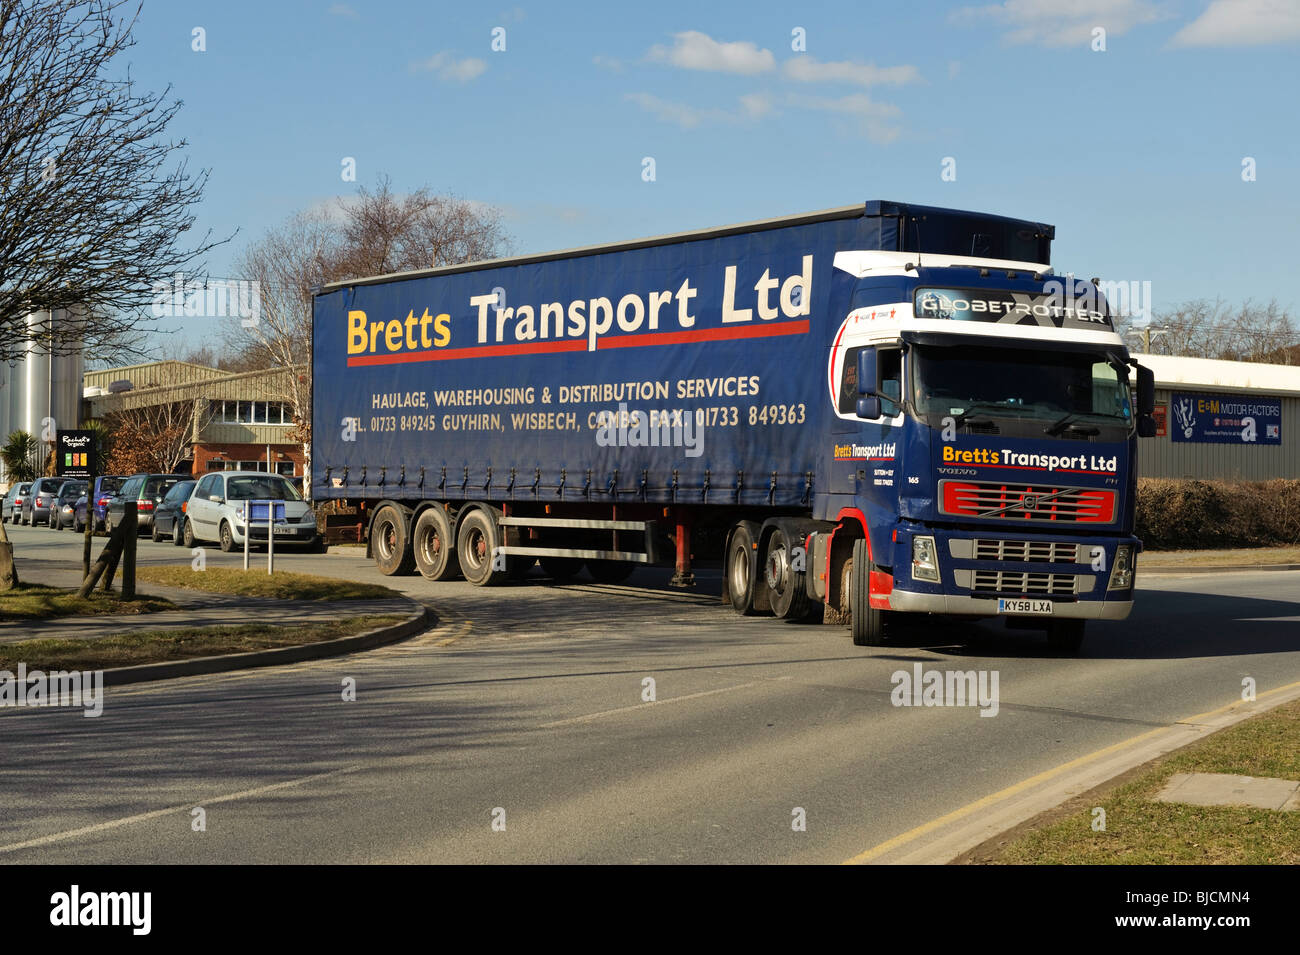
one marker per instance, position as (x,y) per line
(40,392)
(240,418)
(1222,420)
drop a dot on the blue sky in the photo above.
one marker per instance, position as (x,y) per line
(1135,153)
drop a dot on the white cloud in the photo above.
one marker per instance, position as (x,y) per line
(1242,23)
(868,113)
(342,10)
(1064,22)
(752,106)
(611,63)
(806,69)
(756,105)
(449,68)
(699,51)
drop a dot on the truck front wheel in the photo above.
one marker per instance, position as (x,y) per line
(431,543)
(390,542)
(868,623)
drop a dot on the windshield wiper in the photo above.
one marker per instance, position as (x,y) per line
(963,416)
(1069,423)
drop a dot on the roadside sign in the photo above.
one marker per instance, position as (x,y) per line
(74,453)
(1226,419)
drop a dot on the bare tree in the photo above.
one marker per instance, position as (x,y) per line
(374,233)
(94,201)
(1200,328)
(154,437)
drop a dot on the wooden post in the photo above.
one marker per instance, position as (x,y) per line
(90,529)
(130,536)
(108,556)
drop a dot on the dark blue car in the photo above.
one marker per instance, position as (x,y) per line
(105,487)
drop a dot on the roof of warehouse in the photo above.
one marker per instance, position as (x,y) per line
(1211,374)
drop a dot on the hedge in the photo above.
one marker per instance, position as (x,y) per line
(1190,515)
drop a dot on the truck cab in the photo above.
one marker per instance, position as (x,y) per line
(984,443)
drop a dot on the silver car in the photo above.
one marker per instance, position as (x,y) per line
(218,511)
(13,502)
(36,508)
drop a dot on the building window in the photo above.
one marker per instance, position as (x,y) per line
(284,468)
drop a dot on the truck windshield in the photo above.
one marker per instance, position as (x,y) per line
(1060,389)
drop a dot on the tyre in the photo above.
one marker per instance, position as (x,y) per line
(868,623)
(54,523)
(188,535)
(785,585)
(561,569)
(153,532)
(748,591)
(390,542)
(476,546)
(433,545)
(1066,636)
(610,571)
(178,538)
(227,537)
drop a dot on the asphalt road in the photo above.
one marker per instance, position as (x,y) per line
(529,699)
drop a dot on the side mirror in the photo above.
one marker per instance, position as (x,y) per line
(1146,382)
(867,372)
(1146,426)
(869,406)
(216,499)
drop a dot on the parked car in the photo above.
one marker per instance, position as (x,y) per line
(13,502)
(106,485)
(61,511)
(168,515)
(217,510)
(79,515)
(147,490)
(36,509)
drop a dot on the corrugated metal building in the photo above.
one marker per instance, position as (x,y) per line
(1205,449)
(239,418)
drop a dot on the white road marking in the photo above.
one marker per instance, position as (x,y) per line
(645,706)
(142,817)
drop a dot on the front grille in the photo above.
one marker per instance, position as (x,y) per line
(1007,582)
(1046,552)
(1032,502)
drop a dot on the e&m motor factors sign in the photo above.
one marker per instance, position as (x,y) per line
(1225,419)
(74,452)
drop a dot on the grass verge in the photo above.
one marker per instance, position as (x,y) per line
(258,583)
(1239,555)
(38,602)
(157,646)
(1141,831)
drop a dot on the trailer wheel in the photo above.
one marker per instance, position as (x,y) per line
(390,542)
(476,547)
(1065,636)
(610,571)
(431,545)
(784,583)
(561,569)
(745,586)
(868,624)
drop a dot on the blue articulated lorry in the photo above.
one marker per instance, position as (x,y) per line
(866,413)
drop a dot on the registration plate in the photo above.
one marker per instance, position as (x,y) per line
(1024,605)
(284,530)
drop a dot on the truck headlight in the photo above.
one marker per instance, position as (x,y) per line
(1121,574)
(925,562)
